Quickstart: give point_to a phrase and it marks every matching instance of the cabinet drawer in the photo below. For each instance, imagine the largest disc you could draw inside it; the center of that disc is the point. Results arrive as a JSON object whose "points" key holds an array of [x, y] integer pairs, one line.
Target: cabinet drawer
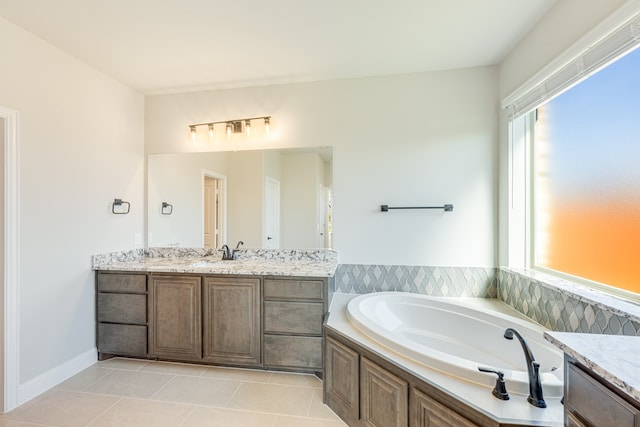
{"points": [[122, 339], [293, 317], [291, 289], [594, 403], [293, 352], [122, 308], [134, 283]]}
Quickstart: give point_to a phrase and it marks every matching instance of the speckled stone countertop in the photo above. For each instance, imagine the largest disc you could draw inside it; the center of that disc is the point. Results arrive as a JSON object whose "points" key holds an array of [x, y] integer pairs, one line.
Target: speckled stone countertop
{"points": [[263, 262], [612, 357]]}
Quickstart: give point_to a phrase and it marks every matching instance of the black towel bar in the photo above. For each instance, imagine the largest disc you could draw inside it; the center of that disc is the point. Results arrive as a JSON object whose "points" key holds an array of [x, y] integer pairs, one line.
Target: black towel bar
{"points": [[447, 207]]}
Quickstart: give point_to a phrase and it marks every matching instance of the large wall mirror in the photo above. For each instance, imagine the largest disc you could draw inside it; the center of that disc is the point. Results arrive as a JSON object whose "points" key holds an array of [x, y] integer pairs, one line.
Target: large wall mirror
{"points": [[265, 198]]}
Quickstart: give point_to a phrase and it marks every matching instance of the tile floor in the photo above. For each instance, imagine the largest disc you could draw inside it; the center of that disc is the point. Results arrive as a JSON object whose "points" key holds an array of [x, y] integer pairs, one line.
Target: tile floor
{"points": [[138, 393]]}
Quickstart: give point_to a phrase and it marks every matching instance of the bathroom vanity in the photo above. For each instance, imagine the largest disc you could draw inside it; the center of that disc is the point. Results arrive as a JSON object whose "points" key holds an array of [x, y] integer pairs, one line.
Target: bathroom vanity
{"points": [[191, 306], [602, 379]]}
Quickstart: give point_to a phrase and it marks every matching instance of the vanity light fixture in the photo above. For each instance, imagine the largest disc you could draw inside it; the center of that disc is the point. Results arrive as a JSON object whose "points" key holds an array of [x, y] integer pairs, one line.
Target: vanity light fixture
{"points": [[232, 126]]}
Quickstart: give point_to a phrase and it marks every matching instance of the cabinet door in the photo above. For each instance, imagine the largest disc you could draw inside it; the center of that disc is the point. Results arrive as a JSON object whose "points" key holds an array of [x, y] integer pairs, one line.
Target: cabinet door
{"points": [[232, 320], [175, 317], [384, 397], [587, 399], [426, 412], [341, 374]]}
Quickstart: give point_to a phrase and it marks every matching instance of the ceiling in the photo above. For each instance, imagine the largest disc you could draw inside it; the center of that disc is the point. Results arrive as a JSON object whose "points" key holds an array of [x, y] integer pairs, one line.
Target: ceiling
{"points": [[161, 46]]}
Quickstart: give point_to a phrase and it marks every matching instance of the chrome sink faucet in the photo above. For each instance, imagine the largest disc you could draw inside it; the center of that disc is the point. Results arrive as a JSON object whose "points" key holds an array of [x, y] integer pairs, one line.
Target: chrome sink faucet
{"points": [[234, 252], [228, 254], [533, 368]]}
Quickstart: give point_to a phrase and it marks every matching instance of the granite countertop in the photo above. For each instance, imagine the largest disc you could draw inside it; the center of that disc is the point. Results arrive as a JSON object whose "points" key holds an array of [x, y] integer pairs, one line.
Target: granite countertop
{"points": [[612, 357], [263, 262]]}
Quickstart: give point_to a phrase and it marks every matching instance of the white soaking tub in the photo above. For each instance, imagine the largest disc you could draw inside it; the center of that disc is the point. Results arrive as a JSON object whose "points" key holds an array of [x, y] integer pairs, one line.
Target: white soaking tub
{"points": [[456, 336]]}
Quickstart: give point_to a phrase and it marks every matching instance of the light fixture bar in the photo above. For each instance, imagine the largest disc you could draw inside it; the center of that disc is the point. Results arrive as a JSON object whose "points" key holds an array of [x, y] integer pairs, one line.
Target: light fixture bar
{"points": [[266, 118]]}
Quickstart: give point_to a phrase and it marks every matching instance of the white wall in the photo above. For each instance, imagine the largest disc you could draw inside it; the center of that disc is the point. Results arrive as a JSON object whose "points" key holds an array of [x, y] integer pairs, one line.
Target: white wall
{"points": [[417, 139], [562, 26], [81, 146]]}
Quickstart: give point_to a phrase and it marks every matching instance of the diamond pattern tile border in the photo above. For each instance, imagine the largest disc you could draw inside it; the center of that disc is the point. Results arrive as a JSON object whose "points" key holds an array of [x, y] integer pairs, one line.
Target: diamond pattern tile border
{"points": [[559, 310], [478, 282]]}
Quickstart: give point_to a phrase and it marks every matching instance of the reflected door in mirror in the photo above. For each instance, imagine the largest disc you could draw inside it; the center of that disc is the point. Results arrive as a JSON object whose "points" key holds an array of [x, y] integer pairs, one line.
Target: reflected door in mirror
{"points": [[213, 216]]}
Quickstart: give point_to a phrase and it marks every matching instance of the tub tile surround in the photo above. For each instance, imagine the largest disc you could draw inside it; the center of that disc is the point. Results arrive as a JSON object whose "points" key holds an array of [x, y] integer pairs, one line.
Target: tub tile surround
{"points": [[477, 282], [563, 306]]}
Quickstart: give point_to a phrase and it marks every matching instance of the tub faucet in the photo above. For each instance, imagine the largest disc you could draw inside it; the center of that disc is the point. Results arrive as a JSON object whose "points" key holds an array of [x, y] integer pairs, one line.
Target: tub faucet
{"points": [[533, 368]]}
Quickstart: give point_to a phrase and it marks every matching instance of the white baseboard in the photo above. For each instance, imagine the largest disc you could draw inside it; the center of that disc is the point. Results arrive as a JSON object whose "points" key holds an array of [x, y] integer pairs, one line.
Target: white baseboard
{"points": [[55, 376]]}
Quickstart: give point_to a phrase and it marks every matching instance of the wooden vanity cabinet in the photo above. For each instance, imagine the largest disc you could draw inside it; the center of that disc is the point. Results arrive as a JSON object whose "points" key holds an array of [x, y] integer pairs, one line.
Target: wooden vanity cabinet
{"points": [[175, 313], [427, 412], [364, 389], [121, 314], [342, 380], [251, 321], [231, 323], [591, 401], [292, 321], [383, 396]]}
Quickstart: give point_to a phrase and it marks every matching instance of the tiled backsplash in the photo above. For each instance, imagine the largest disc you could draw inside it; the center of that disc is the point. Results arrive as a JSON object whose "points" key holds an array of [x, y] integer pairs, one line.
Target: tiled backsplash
{"points": [[554, 303], [436, 281], [561, 306]]}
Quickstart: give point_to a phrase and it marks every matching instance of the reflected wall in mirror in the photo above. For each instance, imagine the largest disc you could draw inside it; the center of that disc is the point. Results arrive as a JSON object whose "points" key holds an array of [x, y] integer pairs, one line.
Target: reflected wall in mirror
{"points": [[265, 198]]}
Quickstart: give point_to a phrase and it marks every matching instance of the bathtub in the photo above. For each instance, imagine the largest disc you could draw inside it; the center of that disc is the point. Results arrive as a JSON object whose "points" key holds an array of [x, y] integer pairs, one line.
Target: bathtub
{"points": [[457, 335]]}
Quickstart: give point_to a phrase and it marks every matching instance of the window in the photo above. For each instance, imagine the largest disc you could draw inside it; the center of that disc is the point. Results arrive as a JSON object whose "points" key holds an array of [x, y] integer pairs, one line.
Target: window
{"points": [[586, 178]]}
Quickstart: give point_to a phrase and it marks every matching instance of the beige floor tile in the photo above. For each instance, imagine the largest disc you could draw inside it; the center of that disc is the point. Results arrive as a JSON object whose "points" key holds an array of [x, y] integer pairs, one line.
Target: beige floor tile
{"points": [[174, 368], [238, 374], [123, 363], [129, 384], [85, 378], [272, 398], [64, 408], [285, 421], [288, 378], [143, 413], [217, 417], [198, 391], [319, 409], [11, 423]]}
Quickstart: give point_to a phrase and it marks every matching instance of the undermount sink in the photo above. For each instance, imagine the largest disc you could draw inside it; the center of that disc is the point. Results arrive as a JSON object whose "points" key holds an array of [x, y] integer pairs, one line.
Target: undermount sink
{"points": [[207, 264]]}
